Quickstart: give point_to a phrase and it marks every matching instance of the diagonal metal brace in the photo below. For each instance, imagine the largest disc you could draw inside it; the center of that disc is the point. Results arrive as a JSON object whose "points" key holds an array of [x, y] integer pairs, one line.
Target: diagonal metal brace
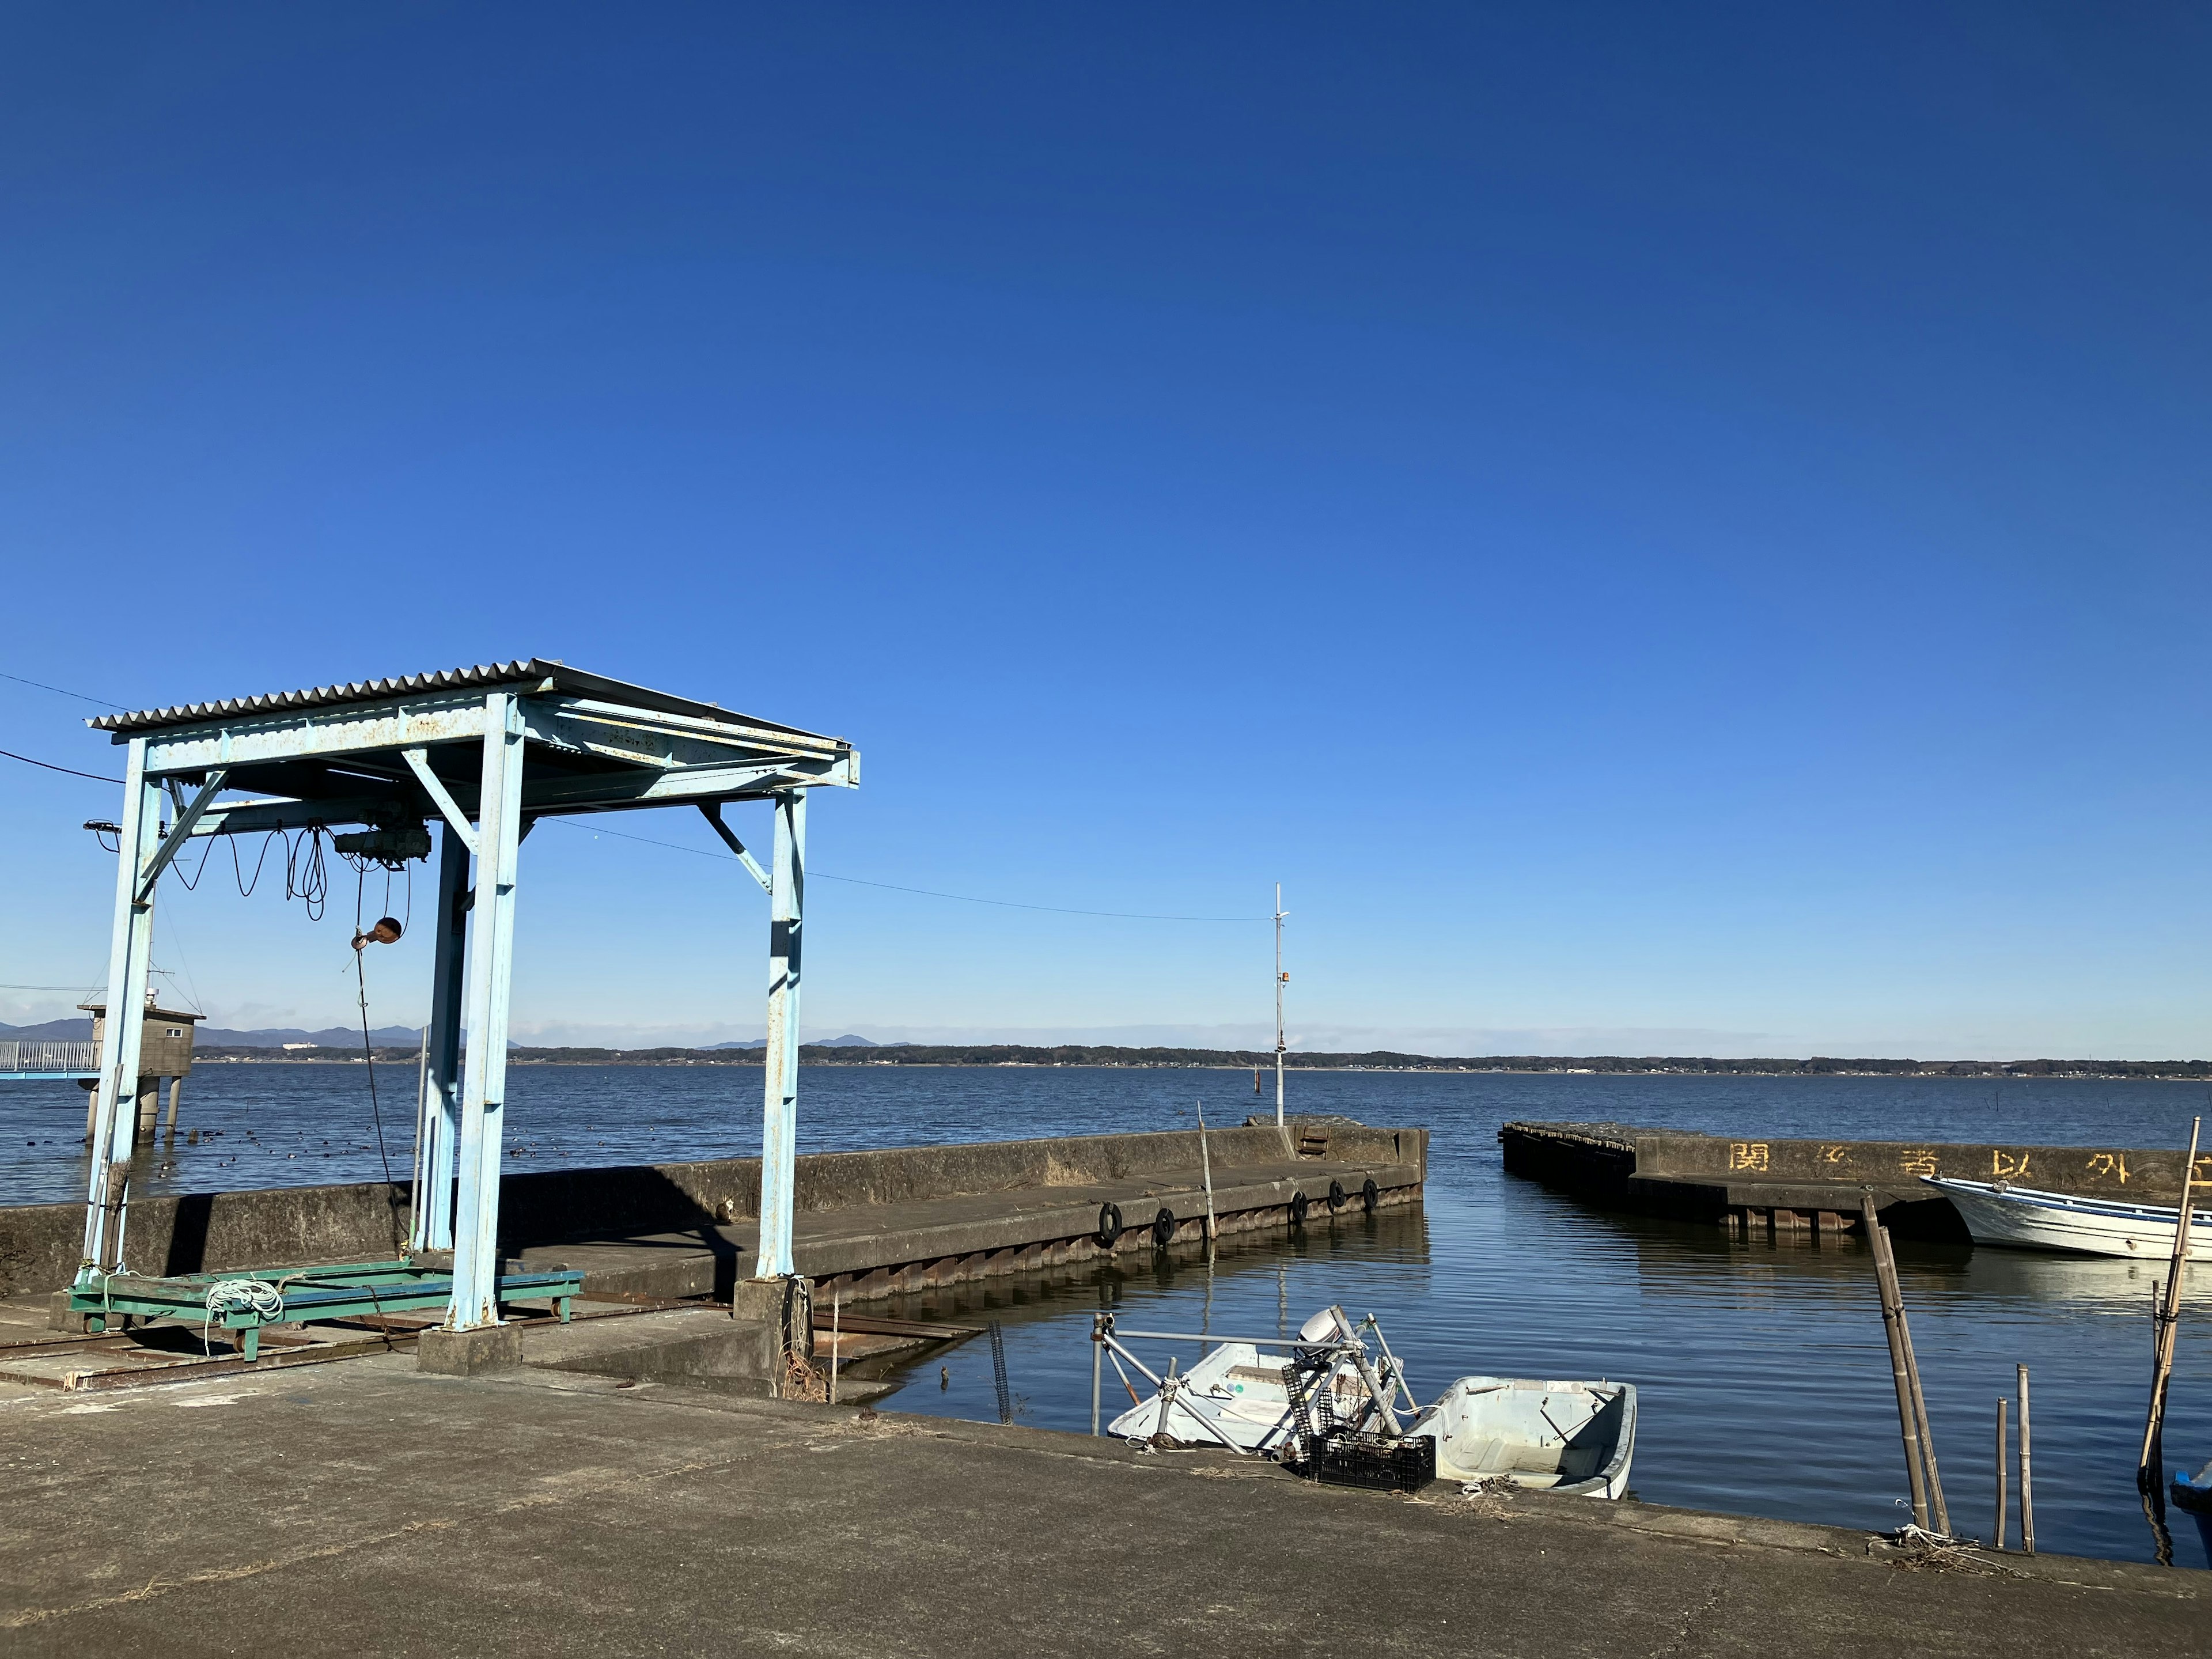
{"points": [[712, 812], [418, 763], [179, 832]]}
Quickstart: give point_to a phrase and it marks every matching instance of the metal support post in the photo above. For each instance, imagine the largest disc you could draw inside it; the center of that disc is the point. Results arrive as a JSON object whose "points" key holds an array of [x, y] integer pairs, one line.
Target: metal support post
{"points": [[130, 958], [1280, 979], [436, 1136], [780, 1109], [491, 981]]}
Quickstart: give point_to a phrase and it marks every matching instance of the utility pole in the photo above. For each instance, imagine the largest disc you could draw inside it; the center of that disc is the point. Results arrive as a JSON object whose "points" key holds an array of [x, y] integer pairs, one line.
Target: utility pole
{"points": [[1280, 979]]}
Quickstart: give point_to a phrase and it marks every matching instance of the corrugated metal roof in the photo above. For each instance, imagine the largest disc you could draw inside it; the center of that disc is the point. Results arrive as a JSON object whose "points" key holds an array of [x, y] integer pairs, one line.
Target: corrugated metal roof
{"points": [[532, 671]]}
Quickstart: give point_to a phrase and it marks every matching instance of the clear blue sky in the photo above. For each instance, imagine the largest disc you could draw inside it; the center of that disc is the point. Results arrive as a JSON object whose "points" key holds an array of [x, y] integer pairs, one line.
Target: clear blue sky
{"points": [[1665, 528]]}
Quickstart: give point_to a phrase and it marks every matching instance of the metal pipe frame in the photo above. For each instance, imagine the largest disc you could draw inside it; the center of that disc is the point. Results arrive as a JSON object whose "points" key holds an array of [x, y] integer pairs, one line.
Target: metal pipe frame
{"points": [[491, 979], [129, 962], [779, 1060], [438, 1134], [354, 759]]}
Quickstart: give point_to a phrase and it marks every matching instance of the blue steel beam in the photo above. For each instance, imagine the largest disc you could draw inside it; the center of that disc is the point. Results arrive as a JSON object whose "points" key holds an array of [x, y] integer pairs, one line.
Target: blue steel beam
{"points": [[457, 821], [780, 1109], [712, 812], [439, 1133], [491, 973], [130, 954], [188, 814]]}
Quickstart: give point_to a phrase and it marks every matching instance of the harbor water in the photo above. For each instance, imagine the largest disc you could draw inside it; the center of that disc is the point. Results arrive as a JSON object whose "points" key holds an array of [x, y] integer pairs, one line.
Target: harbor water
{"points": [[1764, 1376]]}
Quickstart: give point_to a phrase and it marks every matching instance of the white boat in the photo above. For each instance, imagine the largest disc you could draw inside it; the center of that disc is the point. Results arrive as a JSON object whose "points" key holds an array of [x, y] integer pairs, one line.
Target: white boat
{"points": [[2029, 1219], [1232, 1396], [1572, 1437]]}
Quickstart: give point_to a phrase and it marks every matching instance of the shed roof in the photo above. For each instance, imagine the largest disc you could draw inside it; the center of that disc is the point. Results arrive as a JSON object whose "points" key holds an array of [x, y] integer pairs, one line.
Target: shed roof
{"points": [[537, 672]]}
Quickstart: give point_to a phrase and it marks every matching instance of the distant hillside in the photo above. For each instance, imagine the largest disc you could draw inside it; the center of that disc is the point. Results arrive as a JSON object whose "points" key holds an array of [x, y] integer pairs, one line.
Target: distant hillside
{"points": [[217, 1036]]}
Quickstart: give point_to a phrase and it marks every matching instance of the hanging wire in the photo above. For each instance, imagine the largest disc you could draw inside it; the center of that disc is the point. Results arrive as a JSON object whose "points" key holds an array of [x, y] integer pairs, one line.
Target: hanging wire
{"points": [[367, 1054]]}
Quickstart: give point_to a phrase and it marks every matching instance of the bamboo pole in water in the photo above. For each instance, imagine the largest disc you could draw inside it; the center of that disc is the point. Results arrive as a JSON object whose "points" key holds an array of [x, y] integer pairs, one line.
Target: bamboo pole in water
{"points": [[2027, 1474], [2150, 1464], [1937, 1507], [1997, 1532], [1891, 1312], [1206, 1169]]}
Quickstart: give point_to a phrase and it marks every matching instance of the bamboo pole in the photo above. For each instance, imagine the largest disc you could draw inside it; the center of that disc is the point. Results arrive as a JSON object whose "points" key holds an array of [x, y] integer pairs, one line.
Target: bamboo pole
{"points": [[2150, 1464], [2027, 1474], [1997, 1532], [1205, 1171], [836, 1344], [1892, 1311], [1938, 1508], [1936, 1503]]}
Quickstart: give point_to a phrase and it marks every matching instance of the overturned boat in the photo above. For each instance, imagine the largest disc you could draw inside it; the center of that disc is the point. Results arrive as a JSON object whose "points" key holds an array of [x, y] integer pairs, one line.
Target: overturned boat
{"points": [[2025, 1217]]}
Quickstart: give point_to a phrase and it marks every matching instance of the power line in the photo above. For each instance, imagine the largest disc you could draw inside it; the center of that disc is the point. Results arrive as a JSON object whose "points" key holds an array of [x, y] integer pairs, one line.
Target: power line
{"points": [[59, 691], [925, 892], [699, 852], [51, 767]]}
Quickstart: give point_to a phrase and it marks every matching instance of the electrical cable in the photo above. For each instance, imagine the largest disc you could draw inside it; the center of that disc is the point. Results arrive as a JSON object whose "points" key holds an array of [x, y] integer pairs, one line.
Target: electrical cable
{"points": [[59, 691], [376, 1111], [925, 892], [51, 767]]}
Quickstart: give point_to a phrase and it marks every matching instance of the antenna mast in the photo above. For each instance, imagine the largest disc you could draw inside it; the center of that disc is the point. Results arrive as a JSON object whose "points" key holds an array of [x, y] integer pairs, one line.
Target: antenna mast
{"points": [[1280, 978]]}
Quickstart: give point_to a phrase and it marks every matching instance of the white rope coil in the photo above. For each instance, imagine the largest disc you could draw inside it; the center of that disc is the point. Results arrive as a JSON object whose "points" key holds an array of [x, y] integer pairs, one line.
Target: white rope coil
{"points": [[227, 1296]]}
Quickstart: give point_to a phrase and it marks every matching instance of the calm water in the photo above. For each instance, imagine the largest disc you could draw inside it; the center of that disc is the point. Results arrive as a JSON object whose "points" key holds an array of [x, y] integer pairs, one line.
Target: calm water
{"points": [[1763, 1375]]}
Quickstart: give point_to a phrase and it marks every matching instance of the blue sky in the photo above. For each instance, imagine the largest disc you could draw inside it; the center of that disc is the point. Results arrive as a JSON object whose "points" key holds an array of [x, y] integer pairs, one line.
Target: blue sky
{"points": [[1666, 530]]}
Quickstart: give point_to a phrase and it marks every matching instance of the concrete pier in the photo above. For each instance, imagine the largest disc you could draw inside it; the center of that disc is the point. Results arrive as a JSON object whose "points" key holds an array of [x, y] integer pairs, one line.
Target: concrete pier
{"points": [[1805, 1186], [372, 1507], [867, 1225]]}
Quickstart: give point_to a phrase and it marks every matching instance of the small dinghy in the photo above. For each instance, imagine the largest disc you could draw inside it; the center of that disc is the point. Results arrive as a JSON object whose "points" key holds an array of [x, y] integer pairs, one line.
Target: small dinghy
{"points": [[1234, 1397], [2026, 1218], [1572, 1437], [1331, 1408]]}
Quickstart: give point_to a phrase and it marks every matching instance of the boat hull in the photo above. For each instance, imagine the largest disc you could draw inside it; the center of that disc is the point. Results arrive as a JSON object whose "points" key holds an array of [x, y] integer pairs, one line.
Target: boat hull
{"points": [[2025, 1218], [1576, 1438]]}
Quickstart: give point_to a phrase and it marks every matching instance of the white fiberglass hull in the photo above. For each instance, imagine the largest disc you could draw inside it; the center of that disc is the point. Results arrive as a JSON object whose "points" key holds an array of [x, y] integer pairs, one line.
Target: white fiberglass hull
{"points": [[1231, 1396], [2026, 1218], [1573, 1437]]}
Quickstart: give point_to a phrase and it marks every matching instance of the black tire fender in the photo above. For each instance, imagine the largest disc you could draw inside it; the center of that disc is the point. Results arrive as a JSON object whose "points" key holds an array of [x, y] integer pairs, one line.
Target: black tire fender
{"points": [[1163, 1226], [1336, 1194], [1297, 1209], [1110, 1224], [1369, 1196]]}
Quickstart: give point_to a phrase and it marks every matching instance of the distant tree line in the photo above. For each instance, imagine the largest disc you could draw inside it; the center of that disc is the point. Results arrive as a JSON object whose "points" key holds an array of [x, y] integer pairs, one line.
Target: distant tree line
{"points": [[917, 1054]]}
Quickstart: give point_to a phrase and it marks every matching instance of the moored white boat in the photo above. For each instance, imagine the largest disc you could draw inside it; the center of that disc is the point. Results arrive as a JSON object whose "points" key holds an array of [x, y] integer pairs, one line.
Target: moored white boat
{"points": [[1573, 1437], [2025, 1218]]}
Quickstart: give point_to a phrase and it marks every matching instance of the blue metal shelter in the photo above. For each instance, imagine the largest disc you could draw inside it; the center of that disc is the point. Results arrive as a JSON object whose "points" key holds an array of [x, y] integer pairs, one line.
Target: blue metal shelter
{"points": [[486, 752]]}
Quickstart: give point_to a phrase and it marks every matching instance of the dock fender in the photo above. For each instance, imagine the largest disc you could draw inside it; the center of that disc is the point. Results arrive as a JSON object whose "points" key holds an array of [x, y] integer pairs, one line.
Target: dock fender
{"points": [[1335, 1194], [1110, 1224], [1163, 1226], [1297, 1209], [1369, 1195]]}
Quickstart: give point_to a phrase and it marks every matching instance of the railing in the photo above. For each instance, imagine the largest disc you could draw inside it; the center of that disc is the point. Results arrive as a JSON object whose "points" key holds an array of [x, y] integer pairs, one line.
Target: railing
{"points": [[61, 1058]]}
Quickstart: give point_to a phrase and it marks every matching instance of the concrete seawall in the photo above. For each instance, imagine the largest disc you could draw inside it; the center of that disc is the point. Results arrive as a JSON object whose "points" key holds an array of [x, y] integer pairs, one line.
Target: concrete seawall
{"points": [[884, 1219], [1794, 1184]]}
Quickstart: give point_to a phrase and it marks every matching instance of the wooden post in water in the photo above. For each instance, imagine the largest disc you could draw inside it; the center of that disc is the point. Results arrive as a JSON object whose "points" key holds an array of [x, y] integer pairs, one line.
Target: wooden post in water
{"points": [[2150, 1465], [1997, 1532], [1891, 1317], [1206, 1172], [1936, 1503], [2027, 1474]]}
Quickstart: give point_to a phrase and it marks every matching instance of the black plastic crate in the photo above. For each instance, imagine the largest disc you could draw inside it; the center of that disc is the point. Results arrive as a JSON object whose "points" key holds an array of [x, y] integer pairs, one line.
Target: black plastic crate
{"points": [[1373, 1464]]}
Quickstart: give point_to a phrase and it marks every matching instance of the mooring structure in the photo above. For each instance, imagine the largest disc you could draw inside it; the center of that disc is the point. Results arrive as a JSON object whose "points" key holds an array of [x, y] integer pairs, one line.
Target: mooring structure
{"points": [[484, 753]]}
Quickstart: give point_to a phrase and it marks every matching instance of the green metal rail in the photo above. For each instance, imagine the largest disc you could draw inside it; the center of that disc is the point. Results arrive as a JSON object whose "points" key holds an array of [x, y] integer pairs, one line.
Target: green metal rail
{"points": [[351, 1291]]}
